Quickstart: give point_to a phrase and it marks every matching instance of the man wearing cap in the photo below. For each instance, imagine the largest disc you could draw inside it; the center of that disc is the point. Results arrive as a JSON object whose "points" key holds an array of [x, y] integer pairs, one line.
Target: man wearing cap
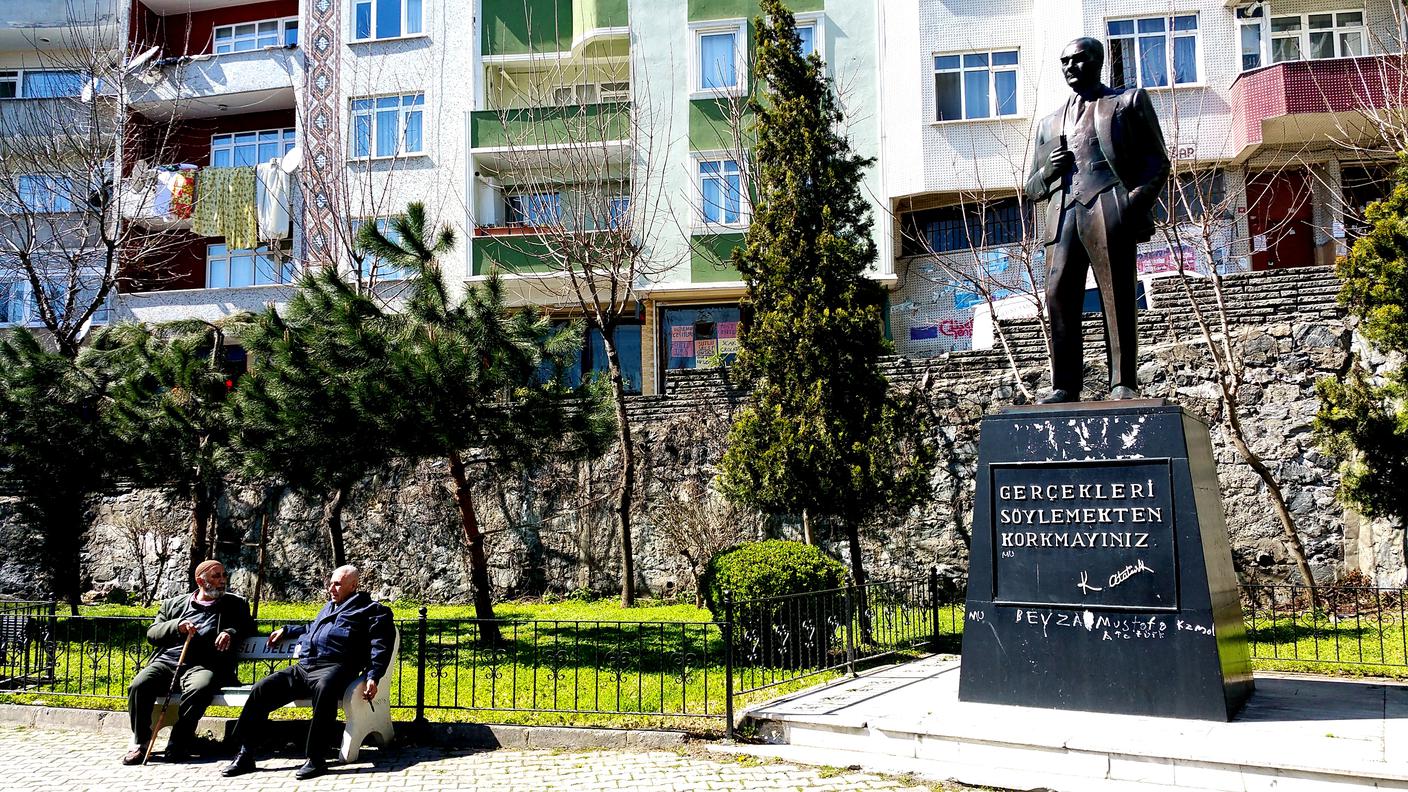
{"points": [[351, 638], [216, 622]]}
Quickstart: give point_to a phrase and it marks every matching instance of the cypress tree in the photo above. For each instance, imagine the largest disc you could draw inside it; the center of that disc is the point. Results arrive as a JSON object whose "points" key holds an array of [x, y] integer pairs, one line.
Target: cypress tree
{"points": [[821, 435]]}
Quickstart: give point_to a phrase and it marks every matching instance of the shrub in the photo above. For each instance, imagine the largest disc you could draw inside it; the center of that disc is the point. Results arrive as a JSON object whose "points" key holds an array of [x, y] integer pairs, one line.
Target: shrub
{"points": [[774, 568]]}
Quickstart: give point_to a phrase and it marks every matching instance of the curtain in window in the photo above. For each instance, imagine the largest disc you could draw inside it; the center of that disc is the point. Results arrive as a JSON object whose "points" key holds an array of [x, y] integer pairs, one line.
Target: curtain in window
{"points": [[388, 18], [52, 84], [717, 67]]}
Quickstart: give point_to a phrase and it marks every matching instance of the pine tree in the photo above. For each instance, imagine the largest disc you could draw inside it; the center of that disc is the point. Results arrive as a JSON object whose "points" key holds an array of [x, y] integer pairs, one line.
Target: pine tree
{"points": [[168, 409], [306, 413], [1363, 420], [55, 451], [464, 376], [821, 435]]}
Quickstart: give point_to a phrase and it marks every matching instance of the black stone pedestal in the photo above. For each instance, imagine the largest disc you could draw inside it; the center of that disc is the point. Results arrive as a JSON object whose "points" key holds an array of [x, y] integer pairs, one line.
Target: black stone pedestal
{"points": [[1100, 576]]}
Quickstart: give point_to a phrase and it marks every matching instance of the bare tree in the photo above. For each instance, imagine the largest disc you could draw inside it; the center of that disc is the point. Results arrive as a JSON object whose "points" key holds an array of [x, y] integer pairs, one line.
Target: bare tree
{"points": [[152, 542], [66, 237], [578, 204]]}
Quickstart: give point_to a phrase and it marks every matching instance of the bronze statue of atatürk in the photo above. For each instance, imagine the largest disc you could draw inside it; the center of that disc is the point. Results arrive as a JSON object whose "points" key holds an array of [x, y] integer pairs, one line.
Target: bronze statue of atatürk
{"points": [[1100, 163]]}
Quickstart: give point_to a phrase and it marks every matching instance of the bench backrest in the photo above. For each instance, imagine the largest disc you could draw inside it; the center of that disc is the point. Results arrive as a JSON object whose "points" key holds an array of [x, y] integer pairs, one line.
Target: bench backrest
{"points": [[256, 647]]}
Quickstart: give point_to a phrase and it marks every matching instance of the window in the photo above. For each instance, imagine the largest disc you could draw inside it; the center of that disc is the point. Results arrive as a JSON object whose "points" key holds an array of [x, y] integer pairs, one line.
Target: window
{"points": [[1338, 34], [40, 84], [256, 35], [388, 126], [18, 306], [807, 33], [592, 359], [692, 336], [718, 59], [383, 19], [618, 211], [975, 85], [535, 208], [263, 266], [375, 268], [1189, 195], [1249, 21], [967, 226], [250, 148], [1153, 52], [721, 192], [44, 192]]}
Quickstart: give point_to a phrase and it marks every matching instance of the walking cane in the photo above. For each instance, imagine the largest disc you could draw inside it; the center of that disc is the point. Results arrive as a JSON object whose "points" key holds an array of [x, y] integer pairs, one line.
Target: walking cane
{"points": [[175, 680]]}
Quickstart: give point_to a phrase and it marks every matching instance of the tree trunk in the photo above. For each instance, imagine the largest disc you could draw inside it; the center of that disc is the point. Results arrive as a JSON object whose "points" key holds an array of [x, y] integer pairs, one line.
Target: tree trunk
{"points": [[626, 485], [200, 530], [272, 497], [478, 563], [808, 534], [332, 524], [862, 600]]}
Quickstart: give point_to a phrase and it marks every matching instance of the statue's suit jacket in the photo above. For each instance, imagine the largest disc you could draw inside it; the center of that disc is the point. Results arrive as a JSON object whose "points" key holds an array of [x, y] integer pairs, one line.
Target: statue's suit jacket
{"points": [[1130, 138]]}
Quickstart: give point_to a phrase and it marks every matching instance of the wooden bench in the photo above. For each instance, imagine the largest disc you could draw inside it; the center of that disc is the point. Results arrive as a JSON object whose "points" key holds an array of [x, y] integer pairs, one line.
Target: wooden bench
{"points": [[363, 719]]}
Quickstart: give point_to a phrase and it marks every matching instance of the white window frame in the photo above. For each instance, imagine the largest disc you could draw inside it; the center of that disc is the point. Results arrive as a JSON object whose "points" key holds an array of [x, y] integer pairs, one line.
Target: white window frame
{"points": [[815, 20], [992, 71], [281, 24], [286, 266], [288, 138], [1169, 35], [697, 30], [403, 112], [1252, 16], [745, 206], [1302, 35], [21, 309], [16, 77], [352, 5]]}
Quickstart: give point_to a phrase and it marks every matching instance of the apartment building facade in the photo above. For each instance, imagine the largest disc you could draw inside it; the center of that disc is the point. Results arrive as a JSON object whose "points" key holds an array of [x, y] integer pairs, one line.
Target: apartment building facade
{"points": [[515, 119], [1263, 107]]}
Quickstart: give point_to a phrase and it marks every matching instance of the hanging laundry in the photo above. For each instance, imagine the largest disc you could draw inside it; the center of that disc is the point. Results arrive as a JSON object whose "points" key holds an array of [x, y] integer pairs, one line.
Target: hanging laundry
{"points": [[225, 207], [175, 190], [272, 193]]}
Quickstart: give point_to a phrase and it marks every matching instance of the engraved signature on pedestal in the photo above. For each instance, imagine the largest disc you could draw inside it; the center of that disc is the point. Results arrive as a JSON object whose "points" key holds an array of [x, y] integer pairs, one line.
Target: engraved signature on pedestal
{"points": [[1129, 571]]}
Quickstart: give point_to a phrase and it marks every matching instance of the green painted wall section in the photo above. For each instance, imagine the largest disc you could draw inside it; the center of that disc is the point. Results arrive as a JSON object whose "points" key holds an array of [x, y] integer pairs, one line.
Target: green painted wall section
{"points": [[729, 9], [709, 126], [709, 259], [514, 254], [596, 14], [542, 126], [515, 27]]}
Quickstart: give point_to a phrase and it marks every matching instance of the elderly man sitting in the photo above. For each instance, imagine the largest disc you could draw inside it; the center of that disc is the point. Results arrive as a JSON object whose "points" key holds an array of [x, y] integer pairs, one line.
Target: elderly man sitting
{"points": [[214, 621], [352, 636]]}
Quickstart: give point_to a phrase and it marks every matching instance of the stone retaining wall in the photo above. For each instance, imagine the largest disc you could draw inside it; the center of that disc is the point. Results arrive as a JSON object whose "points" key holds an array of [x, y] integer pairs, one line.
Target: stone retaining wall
{"points": [[552, 532]]}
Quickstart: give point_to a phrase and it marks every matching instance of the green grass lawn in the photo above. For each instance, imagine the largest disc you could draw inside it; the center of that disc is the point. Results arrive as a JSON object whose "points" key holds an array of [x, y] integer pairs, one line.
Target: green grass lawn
{"points": [[597, 664]]}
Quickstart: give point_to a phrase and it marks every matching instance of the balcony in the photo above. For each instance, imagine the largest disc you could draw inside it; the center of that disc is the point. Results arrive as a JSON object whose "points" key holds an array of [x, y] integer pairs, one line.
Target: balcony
{"points": [[514, 29], [69, 117], [205, 304], [515, 250], [48, 24], [205, 86], [550, 127], [1319, 100]]}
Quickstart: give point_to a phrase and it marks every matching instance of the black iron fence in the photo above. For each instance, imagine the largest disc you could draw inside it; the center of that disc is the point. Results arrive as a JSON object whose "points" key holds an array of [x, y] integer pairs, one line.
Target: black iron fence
{"points": [[680, 669]]}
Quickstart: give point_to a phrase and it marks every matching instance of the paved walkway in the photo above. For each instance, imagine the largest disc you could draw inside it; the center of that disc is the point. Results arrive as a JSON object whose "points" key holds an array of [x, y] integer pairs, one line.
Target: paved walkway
{"points": [[54, 760]]}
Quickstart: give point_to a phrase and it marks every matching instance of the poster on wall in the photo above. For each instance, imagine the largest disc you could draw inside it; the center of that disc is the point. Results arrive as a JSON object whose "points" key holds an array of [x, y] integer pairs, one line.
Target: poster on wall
{"points": [[728, 338], [682, 341], [705, 348]]}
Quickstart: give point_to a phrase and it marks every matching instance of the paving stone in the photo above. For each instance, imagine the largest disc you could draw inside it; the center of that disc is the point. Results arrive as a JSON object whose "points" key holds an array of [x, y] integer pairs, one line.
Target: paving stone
{"points": [[60, 760]]}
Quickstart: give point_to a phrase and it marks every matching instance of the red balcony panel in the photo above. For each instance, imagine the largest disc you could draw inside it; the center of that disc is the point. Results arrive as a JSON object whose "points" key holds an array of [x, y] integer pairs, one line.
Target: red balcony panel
{"points": [[188, 140], [1302, 101], [181, 266], [193, 33]]}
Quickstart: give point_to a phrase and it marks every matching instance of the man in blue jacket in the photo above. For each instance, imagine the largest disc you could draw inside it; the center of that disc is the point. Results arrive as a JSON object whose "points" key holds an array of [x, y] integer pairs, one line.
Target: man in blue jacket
{"points": [[352, 637]]}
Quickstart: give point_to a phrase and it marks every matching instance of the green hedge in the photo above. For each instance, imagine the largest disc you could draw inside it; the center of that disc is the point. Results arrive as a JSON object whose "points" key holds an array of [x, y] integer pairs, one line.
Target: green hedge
{"points": [[773, 568]]}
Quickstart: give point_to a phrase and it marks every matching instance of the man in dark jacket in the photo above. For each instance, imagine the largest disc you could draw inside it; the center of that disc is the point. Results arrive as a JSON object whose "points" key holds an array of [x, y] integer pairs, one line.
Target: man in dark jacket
{"points": [[217, 621], [351, 638]]}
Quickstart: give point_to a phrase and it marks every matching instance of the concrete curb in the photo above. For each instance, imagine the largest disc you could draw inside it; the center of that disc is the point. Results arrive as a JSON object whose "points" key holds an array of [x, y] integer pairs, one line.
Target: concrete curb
{"points": [[450, 735]]}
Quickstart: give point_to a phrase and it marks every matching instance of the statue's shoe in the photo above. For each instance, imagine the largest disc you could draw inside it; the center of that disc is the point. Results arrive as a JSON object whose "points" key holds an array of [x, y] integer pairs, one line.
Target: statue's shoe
{"points": [[1058, 396], [1122, 392]]}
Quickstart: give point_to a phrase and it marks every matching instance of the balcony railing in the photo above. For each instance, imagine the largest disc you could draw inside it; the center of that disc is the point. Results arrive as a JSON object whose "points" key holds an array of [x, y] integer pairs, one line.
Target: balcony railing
{"points": [[1302, 101], [548, 127], [207, 85]]}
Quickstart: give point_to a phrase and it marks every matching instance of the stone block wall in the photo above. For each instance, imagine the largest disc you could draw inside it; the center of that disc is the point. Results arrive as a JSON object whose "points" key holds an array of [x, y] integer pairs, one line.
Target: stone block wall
{"points": [[552, 531]]}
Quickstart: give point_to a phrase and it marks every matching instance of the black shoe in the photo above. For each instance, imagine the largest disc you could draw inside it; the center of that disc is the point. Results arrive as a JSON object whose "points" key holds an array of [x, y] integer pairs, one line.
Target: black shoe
{"points": [[1058, 396], [1122, 392], [244, 763], [177, 752], [310, 769]]}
